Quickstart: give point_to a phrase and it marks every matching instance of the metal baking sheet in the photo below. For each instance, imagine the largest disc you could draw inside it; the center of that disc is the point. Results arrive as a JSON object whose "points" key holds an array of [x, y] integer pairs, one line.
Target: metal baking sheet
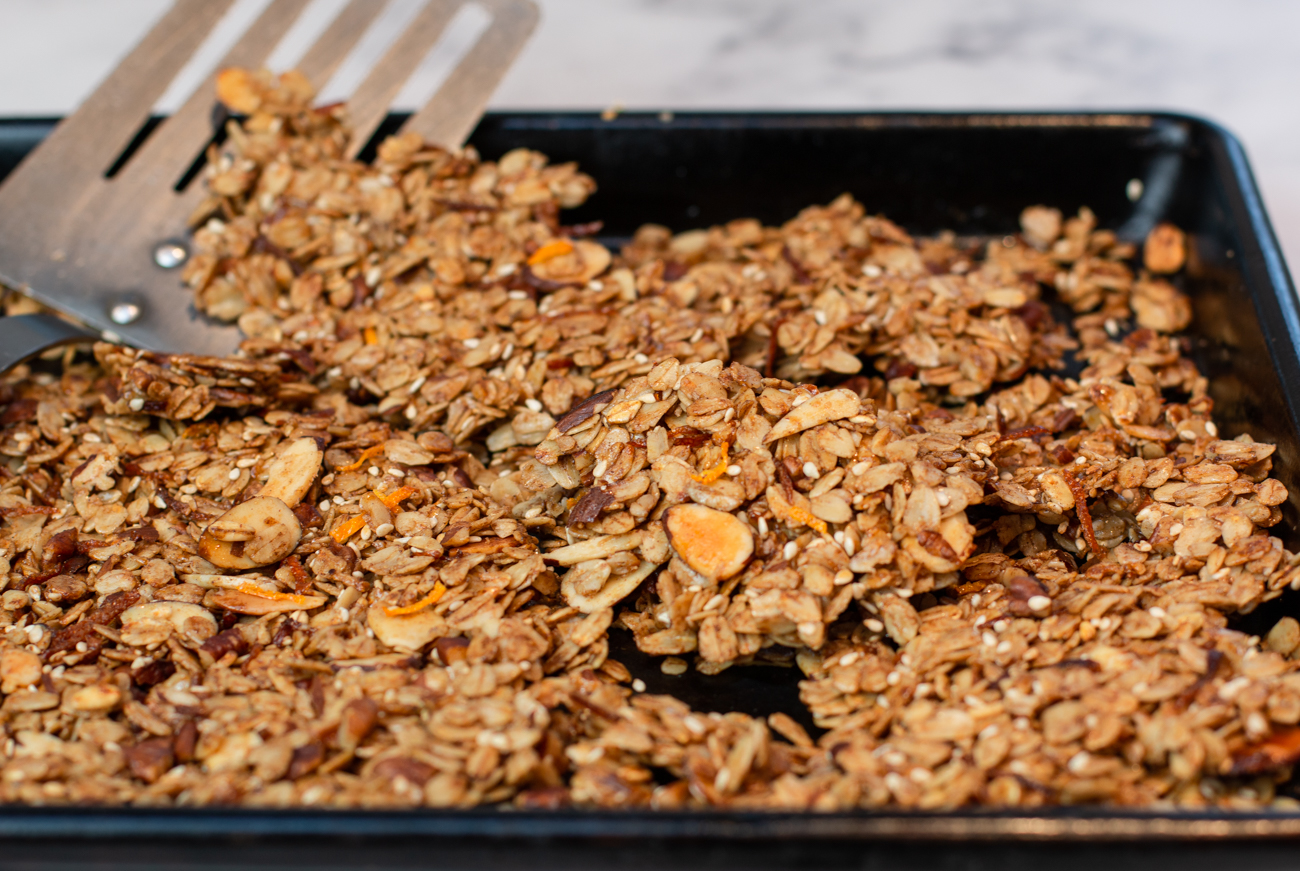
{"points": [[971, 173]]}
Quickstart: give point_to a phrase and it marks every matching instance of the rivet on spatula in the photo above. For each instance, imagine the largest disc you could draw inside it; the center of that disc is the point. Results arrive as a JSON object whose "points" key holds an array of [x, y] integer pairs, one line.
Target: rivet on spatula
{"points": [[170, 254]]}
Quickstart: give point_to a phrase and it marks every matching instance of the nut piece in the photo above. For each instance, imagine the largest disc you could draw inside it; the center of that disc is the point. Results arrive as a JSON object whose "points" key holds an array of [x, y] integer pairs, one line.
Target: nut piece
{"points": [[1165, 250], [293, 472], [713, 543], [584, 262], [248, 603], [155, 622], [822, 408], [408, 632], [1041, 226], [610, 593], [275, 533]]}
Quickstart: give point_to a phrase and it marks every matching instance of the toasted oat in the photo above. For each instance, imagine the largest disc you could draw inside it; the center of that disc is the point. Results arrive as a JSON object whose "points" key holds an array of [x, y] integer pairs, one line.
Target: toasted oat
{"points": [[374, 559]]}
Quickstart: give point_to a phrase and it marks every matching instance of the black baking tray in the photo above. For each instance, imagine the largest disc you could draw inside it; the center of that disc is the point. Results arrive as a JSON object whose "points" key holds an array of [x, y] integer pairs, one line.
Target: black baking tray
{"points": [[971, 173]]}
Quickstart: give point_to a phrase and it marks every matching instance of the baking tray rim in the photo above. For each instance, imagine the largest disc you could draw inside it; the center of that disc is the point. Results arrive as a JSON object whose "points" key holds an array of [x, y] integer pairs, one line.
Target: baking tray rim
{"points": [[1262, 263]]}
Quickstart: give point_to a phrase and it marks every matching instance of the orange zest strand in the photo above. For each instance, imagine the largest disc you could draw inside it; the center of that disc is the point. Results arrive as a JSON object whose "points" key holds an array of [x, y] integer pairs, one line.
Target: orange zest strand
{"points": [[361, 461], [371, 336], [261, 592], [435, 594], [392, 501], [1081, 506], [348, 528], [708, 476], [801, 515], [552, 249]]}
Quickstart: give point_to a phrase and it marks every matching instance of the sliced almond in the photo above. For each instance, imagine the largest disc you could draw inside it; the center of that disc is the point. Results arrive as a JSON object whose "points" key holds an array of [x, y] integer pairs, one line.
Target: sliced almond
{"points": [[713, 543], [583, 262], [610, 594], [406, 631], [822, 408], [293, 472], [276, 532], [248, 603], [594, 548], [155, 622]]}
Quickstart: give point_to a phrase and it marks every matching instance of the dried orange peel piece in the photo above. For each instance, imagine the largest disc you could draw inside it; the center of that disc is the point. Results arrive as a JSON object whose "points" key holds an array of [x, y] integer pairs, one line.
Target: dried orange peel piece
{"points": [[368, 453], [435, 594], [392, 501], [371, 336], [348, 528], [784, 506], [251, 589], [708, 476], [801, 515], [551, 250]]}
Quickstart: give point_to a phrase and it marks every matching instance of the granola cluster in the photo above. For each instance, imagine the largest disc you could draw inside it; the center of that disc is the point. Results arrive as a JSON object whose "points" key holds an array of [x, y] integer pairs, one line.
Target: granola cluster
{"points": [[377, 558]]}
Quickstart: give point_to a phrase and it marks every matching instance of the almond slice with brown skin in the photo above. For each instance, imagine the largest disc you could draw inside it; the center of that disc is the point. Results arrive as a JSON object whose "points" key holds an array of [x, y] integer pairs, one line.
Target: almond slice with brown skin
{"points": [[712, 543], [293, 472], [275, 533]]}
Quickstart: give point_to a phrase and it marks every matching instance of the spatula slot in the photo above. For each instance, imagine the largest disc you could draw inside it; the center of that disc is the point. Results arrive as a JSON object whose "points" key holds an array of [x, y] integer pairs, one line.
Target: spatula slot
{"points": [[145, 131]]}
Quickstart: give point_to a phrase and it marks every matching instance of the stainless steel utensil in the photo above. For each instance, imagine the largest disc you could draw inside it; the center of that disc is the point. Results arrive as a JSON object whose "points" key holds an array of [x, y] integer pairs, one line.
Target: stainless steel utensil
{"points": [[107, 251]]}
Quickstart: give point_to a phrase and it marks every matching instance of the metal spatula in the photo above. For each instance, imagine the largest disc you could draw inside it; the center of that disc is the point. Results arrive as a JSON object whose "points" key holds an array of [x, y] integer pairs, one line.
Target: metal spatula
{"points": [[106, 250]]}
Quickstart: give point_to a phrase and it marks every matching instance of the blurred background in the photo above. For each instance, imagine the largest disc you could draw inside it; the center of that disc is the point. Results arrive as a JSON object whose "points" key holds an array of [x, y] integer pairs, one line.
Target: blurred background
{"points": [[1234, 63]]}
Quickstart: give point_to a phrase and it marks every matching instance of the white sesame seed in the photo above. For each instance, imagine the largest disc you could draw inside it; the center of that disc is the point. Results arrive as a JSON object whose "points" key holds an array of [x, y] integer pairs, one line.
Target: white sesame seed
{"points": [[374, 471], [1211, 430], [1039, 603], [638, 685], [873, 624], [762, 526], [810, 471], [471, 343], [533, 404], [791, 548], [136, 404], [234, 475], [733, 470], [641, 359]]}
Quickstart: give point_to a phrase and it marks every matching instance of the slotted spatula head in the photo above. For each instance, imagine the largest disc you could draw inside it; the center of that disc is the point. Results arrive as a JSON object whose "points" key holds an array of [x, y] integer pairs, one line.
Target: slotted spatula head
{"points": [[107, 251]]}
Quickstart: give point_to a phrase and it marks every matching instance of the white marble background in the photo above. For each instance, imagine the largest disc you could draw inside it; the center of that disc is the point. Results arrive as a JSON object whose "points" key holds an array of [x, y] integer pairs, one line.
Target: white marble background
{"points": [[1235, 62]]}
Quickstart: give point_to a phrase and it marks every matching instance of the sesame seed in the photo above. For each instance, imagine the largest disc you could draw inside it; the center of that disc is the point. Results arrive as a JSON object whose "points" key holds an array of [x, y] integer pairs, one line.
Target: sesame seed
{"points": [[810, 471]]}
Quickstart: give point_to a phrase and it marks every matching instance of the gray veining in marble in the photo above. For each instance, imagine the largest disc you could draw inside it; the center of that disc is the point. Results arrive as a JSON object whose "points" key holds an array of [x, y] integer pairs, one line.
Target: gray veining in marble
{"points": [[1235, 62]]}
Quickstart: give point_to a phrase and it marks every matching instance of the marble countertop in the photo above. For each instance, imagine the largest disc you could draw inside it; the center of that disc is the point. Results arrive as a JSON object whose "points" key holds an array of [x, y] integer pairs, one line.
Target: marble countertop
{"points": [[1235, 63]]}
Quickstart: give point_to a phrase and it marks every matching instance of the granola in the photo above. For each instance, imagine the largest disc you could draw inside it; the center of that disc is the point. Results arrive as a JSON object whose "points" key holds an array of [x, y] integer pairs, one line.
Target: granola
{"points": [[378, 558]]}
